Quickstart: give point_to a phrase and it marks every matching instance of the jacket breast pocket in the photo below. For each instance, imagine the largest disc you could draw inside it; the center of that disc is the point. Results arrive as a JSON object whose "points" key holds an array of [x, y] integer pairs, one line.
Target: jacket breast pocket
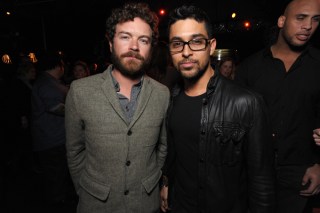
{"points": [[226, 144]]}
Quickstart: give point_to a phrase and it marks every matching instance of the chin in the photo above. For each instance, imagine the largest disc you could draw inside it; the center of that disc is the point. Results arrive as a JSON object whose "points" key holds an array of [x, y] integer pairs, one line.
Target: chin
{"points": [[298, 46]]}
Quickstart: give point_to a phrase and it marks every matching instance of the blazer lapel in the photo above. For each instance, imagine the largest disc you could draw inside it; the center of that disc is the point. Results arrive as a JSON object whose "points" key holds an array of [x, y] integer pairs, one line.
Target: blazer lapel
{"points": [[143, 99], [110, 93]]}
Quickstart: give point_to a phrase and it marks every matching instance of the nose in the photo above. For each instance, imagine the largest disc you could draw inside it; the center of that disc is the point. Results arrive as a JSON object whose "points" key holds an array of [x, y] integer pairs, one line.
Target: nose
{"points": [[134, 45], [186, 51], [307, 24]]}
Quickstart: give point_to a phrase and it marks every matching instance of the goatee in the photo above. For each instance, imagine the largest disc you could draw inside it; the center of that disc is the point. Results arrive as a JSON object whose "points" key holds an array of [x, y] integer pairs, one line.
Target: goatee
{"points": [[131, 69]]}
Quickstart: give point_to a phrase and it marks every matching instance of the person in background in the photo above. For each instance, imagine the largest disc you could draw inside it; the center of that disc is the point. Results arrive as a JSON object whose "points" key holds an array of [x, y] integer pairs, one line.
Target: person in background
{"points": [[287, 75], [80, 70], [227, 67], [48, 130], [115, 121], [220, 156]]}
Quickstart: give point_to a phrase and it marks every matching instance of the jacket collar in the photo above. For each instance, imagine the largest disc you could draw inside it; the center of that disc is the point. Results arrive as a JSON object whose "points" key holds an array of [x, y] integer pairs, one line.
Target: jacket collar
{"points": [[110, 92], [211, 87]]}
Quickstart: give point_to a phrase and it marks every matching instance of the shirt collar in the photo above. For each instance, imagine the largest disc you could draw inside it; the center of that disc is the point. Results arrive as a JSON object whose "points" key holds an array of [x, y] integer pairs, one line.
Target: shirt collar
{"points": [[308, 50], [117, 85]]}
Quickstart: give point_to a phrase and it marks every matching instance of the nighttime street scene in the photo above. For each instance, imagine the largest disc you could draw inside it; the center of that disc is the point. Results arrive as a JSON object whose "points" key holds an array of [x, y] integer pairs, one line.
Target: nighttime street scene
{"points": [[154, 106]]}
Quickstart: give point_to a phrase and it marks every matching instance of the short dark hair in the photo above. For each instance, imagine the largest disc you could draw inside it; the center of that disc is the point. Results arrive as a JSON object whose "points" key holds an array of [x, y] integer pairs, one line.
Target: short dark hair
{"points": [[130, 11], [50, 60], [193, 12]]}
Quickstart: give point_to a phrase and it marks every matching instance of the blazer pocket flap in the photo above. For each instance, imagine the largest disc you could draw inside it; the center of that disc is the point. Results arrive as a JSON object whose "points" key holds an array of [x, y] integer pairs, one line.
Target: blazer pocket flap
{"points": [[151, 181], [94, 187]]}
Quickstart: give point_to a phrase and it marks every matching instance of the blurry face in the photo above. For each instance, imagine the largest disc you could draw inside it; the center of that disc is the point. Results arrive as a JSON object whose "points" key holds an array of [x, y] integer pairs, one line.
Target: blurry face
{"points": [[61, 69], [131, 48], [79, 72], [31, 74], [191, 64], [226, 69], [299, 22]]}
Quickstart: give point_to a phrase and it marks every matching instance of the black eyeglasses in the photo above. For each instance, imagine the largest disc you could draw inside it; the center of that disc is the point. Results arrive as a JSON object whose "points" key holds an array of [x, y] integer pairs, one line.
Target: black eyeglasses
{"points": [[196, 44]]}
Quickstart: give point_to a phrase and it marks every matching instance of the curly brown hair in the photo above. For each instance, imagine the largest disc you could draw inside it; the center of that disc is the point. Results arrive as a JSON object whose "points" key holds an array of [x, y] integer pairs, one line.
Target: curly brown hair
{"points": [[130, 11]]}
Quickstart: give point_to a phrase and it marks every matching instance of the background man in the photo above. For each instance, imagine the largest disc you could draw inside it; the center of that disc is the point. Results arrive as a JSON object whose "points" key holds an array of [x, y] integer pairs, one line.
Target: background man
{"points": [[48, 129], [287, 76]]}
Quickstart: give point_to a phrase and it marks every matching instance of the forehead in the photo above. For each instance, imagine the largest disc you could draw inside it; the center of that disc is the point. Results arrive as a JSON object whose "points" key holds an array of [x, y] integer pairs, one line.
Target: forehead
{"points": [[78, 66], [187, 28], [136, 27], [307, 7], [227, 62]]}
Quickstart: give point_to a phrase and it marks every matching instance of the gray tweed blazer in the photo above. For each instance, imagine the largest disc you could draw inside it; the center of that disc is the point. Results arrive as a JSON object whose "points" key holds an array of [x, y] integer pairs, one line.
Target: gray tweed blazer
{"points": [[115, 166]]}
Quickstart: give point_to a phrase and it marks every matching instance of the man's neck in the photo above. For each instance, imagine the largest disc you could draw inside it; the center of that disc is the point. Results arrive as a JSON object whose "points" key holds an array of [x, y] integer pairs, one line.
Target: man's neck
{"points": [[288, 55], [282, 49], [55, 73], [125, 83], [200, 86]]}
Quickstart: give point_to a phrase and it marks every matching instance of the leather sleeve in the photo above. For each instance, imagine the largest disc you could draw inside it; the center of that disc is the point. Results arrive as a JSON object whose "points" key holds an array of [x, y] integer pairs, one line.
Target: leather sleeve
{"points": [[260, 162]]}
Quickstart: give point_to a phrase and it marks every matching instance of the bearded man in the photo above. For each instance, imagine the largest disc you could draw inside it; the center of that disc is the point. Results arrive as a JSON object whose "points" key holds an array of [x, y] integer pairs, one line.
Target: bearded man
{"points": [[115, 122]]}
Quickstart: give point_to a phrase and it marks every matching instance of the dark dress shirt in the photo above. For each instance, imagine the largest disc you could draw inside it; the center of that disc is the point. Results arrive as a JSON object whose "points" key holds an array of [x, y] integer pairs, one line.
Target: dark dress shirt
{"points": [[293, 100]]}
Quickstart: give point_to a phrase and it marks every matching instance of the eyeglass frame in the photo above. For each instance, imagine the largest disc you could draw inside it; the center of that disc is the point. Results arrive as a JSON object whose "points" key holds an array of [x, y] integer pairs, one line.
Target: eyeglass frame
{"points": [[188, 43]]}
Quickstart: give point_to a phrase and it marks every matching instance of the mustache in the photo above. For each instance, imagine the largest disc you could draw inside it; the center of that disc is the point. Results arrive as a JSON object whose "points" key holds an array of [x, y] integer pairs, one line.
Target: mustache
{"points": [[187, 61], [132, 54]]}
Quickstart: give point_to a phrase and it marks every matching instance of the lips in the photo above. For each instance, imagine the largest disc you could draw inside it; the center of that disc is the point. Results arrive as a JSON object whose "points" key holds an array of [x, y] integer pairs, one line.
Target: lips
{"points": [[187, 64], [303, 36]]}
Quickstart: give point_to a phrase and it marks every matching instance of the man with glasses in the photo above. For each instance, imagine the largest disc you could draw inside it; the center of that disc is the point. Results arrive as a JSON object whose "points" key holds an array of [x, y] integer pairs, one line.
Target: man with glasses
{"points": [[219, 152]]}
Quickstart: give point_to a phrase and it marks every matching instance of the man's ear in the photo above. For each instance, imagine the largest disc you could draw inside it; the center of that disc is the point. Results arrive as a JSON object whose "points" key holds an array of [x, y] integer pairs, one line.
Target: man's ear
{"points": [[213, 44], [281, 21], [110, 43]]}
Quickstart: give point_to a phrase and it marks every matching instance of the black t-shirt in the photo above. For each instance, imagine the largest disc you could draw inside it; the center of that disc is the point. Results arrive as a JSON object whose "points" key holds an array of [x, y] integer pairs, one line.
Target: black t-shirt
{"points": [[184, 126]]}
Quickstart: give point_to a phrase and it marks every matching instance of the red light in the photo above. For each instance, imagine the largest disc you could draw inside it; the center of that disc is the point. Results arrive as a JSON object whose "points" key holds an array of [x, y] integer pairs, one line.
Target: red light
{"points": [[247, 24], [162, 12]]}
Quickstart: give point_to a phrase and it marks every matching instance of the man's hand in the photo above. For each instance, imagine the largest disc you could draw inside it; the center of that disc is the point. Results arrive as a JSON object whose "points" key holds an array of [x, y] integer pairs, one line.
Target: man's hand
{"points": [[316, 136], [311, 176], [164, 199]]}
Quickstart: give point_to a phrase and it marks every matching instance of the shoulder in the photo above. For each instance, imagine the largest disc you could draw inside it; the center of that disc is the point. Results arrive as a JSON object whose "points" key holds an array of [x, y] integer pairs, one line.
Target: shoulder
{"points": [[315, 53], [240, 93], [92, 81], [157, 86], [256, 57]]}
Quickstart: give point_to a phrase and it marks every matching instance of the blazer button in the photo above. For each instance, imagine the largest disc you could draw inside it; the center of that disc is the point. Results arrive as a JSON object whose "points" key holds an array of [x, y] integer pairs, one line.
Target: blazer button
{"points": [[129, 132], [126, 192], [128, 163]]}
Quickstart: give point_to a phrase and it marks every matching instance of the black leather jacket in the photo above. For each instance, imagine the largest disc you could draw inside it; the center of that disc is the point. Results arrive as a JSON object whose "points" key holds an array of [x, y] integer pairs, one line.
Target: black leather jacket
{"points": [[237, 171]]}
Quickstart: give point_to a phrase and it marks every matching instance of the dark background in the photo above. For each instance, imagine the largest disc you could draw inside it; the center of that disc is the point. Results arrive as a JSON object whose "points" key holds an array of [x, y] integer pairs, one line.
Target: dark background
{"points": [[77, 27]]}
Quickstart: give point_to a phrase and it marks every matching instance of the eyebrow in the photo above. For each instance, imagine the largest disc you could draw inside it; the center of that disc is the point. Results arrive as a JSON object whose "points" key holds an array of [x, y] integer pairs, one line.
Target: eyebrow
{"points": [[192, 37], [306, 14], [130, 34]]}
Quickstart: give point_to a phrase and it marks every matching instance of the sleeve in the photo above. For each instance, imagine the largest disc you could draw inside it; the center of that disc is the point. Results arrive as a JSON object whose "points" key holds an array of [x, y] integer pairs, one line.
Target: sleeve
{"points": [[53, 97], [168, 167], [162, 147], [75, 140], [260, 162]]}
